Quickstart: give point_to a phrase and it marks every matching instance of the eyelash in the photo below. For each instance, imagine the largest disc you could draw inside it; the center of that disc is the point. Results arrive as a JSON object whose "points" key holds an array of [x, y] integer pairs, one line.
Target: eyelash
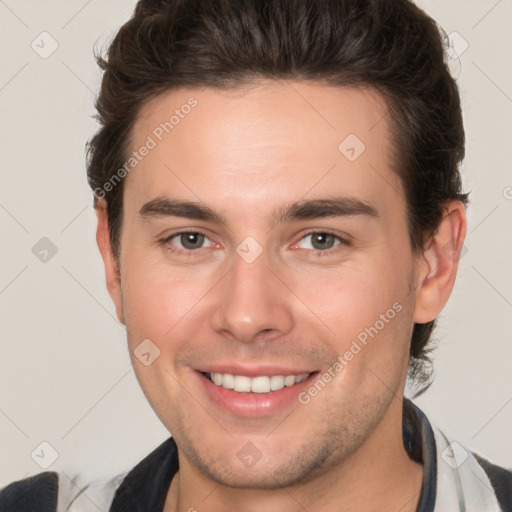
{"points": [[189, 252], [328, 252]]}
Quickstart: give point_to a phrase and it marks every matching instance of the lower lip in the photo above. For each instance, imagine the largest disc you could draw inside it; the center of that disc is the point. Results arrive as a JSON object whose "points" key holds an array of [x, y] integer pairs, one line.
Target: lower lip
{"points": [[253, 405]]}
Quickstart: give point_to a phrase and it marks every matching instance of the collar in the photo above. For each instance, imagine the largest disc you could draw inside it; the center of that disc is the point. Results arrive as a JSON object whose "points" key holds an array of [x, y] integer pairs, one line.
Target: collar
{"points": [[420, 445], [144, 489]]}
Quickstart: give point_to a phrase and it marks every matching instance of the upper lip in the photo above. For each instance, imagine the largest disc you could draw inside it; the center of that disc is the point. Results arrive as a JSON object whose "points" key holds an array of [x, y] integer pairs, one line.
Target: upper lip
{"points": [[255, 371]]}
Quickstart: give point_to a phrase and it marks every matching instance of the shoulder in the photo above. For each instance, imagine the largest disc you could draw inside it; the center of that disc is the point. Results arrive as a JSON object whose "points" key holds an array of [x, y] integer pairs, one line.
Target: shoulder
{"points": [[39, 492], [51, 492], [456, 473], [57, 491], [477, 482], [501, 480]]}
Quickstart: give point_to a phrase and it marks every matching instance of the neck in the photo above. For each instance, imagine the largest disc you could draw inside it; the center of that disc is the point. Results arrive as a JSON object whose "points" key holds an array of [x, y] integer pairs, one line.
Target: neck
{"points": [[379, 475]]}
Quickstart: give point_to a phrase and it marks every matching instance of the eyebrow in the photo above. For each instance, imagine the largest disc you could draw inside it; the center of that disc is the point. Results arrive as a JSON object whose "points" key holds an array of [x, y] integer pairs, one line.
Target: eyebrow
{"points": [[164, 207], [322, 208], [302, 210]]}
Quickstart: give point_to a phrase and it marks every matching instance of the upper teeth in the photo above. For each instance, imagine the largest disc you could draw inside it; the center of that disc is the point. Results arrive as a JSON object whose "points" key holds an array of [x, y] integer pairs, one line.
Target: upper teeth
{"points": [[262, 384]]}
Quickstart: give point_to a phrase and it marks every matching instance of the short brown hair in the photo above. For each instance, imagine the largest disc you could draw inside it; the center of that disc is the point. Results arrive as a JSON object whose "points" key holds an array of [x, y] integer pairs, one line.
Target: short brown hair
{"points": [[391, 45]]}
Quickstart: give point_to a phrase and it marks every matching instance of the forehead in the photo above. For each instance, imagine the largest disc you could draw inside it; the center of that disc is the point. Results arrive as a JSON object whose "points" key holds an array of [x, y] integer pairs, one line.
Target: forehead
{"points": [[259, 144]]}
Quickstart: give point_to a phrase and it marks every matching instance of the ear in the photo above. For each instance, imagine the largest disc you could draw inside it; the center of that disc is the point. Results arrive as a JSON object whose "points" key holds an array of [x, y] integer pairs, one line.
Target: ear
{"points": [[439, 262], [112, 274]]}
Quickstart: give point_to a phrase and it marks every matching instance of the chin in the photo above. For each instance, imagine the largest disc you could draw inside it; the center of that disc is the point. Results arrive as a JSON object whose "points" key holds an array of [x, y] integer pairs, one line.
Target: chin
{"points": [[269, 468]]}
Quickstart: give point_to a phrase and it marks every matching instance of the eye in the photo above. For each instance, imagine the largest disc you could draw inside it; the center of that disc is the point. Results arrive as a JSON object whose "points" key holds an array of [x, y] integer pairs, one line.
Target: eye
{"points": [[188, 241], [191, 241], [319, 241]]}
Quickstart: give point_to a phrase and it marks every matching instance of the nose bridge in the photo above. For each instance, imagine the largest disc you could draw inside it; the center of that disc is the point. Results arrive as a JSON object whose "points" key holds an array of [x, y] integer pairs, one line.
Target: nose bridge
{"points": [[251, 300]]}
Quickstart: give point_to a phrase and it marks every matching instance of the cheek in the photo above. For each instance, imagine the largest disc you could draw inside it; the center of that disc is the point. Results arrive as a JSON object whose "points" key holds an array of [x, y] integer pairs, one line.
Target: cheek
{"points": [[157, 301], [351, 296], [364, 313], [163, 307]]}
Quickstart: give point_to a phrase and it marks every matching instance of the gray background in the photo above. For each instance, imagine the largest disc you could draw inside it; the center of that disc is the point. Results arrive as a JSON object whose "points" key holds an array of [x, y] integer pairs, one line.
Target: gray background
{"points": [[65, 371]]}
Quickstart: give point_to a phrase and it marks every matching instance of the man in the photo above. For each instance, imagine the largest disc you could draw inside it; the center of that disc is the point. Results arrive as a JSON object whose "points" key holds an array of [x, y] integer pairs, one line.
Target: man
{"points": [[280, 215]]}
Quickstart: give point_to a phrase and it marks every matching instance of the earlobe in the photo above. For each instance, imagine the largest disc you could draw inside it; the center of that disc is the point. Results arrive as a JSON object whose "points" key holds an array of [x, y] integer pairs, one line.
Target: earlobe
{"points": [[112, 274], [439, 263]]}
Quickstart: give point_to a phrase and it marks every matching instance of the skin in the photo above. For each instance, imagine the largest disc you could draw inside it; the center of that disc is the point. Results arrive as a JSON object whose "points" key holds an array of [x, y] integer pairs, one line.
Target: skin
{"points": [[245, 153]]}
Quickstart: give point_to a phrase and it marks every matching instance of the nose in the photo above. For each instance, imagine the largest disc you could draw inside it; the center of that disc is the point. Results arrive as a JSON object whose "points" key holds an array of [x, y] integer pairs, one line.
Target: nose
{"points": [[252, 301]]}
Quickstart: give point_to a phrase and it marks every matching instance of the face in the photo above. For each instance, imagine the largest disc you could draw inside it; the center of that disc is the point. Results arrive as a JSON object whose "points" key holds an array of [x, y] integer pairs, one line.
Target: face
{"points": [[264, 247]]}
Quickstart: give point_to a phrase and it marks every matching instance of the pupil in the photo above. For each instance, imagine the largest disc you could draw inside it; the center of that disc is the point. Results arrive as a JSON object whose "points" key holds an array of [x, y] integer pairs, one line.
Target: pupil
{"points": [[192, 240], [322, 241]]}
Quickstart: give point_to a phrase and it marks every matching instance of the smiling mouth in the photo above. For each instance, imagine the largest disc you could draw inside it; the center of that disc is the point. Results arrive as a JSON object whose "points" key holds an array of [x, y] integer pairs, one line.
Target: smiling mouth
{"points": [[260, 384]]}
